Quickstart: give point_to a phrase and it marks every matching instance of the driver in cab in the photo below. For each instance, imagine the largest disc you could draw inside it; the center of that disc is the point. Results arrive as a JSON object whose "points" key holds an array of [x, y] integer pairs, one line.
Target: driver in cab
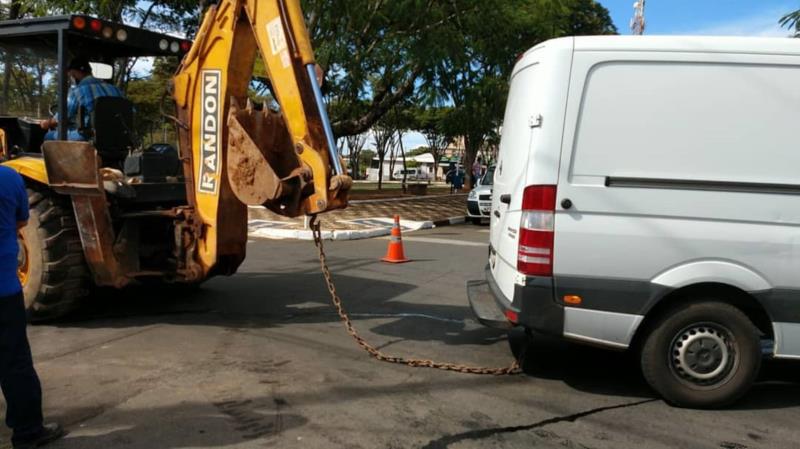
{"points": [[82, 94]]}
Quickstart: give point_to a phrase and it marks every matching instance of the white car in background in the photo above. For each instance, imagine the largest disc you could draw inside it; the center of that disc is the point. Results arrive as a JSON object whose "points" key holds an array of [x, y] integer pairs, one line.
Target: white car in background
{"points": [[412, 174], [479, 202]]}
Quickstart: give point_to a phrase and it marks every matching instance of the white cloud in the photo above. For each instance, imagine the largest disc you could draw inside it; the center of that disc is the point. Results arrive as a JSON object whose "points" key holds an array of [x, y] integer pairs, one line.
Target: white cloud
{"points": [[763, 24], [414, 140]]}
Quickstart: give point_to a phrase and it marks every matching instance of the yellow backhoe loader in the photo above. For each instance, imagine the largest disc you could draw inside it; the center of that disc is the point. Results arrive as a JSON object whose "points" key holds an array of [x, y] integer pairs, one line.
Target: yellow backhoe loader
{"points": [[108, 211]]}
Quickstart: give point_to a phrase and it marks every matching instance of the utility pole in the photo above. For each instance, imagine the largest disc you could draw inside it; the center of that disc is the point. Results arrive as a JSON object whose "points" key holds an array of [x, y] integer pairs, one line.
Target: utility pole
{"points": [[637, 23]]}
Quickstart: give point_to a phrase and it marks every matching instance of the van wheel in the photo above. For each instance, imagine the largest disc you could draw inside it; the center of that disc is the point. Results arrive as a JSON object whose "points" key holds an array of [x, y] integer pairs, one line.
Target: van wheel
{"points": [[703, 355], [50, 264]]}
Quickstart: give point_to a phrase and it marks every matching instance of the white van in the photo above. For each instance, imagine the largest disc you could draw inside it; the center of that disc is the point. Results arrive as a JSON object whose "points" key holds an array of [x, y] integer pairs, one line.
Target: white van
{"points": [[412, 174], [647, 197]]}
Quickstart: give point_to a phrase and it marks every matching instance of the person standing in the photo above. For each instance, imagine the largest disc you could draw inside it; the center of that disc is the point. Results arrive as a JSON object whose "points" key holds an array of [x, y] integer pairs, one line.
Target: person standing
{"points": [[458, 180], [18, 378], [477, 172], [448, 177]]}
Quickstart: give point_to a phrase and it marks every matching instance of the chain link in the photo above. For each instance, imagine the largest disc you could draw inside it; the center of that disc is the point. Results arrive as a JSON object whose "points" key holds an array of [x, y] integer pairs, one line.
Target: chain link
{"points": [[374, 352]]}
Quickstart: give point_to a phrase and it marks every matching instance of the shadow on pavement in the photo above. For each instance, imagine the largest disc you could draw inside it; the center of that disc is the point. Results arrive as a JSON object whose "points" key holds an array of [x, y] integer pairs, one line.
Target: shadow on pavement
{"points": [[263, 300], [287, 298], [584, 368], [778, 386], [184, 425]]}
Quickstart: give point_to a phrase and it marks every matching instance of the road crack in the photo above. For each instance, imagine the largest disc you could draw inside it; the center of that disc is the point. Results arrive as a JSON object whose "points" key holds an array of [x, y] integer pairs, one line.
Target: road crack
{"points": [[447, 440]]}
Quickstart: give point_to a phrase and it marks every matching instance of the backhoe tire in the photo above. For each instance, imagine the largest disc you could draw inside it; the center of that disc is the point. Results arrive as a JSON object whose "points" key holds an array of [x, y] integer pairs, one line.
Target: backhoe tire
{"points": [[55, 276]]}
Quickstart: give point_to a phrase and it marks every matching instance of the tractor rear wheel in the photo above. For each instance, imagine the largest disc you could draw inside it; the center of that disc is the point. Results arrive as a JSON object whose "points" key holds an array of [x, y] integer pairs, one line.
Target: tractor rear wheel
{"points": [[51, 265]]}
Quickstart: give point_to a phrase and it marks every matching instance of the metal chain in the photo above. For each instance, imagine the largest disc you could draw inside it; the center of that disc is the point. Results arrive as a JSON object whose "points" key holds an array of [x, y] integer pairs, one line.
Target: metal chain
{"points": [[419, 363]]}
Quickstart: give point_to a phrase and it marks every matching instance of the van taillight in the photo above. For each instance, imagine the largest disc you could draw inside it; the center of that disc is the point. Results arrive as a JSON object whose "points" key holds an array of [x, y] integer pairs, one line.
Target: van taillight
{"points": [[536, 231]]}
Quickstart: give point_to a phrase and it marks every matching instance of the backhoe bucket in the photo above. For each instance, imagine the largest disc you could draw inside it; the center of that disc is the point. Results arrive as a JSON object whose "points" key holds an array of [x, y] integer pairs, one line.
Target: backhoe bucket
{"points": [[262, 165]]}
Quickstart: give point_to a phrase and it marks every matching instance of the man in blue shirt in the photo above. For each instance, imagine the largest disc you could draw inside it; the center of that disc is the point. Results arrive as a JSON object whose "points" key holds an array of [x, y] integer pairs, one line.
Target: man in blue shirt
{"points": [[83, 94], [18, 378]]}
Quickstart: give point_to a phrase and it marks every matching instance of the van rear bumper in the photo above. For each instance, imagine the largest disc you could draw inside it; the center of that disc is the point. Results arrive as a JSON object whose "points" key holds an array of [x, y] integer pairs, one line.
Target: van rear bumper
{"points": [[534, 304]]}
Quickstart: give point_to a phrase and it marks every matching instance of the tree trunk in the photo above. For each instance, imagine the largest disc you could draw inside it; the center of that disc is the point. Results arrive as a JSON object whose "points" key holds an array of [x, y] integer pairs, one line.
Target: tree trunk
{"points": [[392, 161], [470, 152], [403, 152], [381, 158], [355, 159]]}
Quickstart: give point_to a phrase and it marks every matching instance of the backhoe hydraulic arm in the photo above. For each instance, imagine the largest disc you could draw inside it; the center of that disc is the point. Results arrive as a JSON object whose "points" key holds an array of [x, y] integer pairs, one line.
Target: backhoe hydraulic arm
{"points": [[236, 153]]}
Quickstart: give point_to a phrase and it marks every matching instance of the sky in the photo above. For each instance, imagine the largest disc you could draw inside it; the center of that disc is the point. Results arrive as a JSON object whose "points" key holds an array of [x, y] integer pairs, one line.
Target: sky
{"points": [[698, 17], [705, 17]]}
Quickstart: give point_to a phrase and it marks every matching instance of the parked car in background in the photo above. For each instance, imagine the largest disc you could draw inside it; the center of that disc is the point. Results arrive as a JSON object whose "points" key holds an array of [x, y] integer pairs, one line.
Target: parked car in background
{"points": [[479, 202], [412, 174]]}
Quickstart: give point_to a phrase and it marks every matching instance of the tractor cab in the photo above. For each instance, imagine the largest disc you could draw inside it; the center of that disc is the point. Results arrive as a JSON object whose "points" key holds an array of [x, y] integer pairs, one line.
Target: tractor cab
{"points": [[34, 85]]}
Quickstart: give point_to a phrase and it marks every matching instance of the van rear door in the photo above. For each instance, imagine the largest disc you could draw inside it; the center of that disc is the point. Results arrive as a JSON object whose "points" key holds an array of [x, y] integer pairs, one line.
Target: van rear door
{"points": [[524, 104]]}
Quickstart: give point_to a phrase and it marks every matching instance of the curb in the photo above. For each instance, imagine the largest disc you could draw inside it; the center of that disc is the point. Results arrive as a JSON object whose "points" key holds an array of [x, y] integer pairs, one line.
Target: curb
{"points": [[306, 234], [410, 198], [343, 234], [391, 200], [450, 221]]}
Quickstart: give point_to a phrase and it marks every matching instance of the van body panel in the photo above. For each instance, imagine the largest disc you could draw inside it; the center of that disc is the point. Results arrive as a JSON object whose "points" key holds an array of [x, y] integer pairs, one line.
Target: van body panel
{"points": [[787, 340], [600, 327], [717, 271], [636, 116]]}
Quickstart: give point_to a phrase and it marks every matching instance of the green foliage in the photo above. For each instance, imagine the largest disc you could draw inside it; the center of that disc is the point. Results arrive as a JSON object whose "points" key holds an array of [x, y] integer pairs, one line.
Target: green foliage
{"points": [[418, 151], [473, 77], [379, 53], [27, 86], [148, 94], [163, 15], [792, 21], [366, 157], [384, 58]]}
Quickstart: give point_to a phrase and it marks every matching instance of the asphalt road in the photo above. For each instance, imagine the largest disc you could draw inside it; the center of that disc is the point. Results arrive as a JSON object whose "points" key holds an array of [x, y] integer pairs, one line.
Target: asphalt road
{"points": [[260, 360]]}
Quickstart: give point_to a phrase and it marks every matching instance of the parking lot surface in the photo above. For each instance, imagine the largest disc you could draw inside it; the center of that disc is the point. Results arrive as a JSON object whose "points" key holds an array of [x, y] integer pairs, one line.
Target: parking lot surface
{"points": [[261, 360]]}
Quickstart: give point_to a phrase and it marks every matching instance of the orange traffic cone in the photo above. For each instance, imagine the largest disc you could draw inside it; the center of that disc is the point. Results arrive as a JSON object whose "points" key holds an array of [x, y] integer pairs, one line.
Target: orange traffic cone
{"points": [[395, 253]]}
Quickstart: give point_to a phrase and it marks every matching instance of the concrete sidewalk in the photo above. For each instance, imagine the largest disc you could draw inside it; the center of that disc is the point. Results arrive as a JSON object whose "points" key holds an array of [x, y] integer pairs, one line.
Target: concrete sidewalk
{"points": [[364, 219]]}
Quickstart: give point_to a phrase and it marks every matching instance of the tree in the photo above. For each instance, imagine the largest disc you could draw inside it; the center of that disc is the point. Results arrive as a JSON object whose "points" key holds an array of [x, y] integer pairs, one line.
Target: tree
{"points": [[589, 17], [365, 159], [355, 145], [399, 120], [374, 52], [384, 141], [378, 53], [474, 79], [792, 21], [148, 96], [432, 123], [418, 151]]}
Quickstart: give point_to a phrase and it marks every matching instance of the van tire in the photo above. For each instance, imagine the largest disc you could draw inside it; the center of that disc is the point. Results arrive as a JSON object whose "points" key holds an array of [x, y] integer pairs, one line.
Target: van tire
{"points": [[677, 370], [57, 274]]}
